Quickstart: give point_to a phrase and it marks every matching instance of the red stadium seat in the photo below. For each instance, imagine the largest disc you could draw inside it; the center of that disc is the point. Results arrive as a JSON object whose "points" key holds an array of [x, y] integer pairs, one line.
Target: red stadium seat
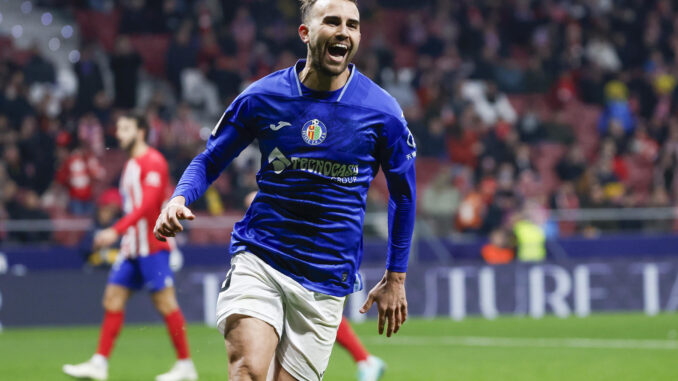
{"points": [[153, 49], [99, 26]]}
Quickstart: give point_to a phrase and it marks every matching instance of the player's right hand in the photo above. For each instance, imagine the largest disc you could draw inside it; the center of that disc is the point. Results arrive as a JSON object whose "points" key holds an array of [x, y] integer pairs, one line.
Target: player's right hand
{"points": [[167, 224], [389, 295]]}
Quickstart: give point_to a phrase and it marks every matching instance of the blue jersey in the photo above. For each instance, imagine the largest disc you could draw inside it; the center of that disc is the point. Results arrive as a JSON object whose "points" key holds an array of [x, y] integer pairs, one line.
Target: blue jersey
{"points": [[320, 151]]}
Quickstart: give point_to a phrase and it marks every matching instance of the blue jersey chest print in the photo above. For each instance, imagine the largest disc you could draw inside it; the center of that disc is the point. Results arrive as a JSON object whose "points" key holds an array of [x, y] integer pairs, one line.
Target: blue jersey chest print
{"points": [[319, 154], [302, 138]]}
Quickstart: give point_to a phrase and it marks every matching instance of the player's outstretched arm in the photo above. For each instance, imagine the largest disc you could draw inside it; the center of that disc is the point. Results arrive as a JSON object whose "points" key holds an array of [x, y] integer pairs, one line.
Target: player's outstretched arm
{"points": [[167, 224], [389, 295]]}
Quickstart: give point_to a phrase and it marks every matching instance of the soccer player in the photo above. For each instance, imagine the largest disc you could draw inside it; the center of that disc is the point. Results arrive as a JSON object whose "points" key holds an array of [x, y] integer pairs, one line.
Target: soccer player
{"points": [[143, 261], [323, 129]]}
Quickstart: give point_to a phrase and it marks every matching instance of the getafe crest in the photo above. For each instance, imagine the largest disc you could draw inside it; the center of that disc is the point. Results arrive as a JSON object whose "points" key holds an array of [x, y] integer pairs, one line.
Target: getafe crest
{"points": [[314, 132]]}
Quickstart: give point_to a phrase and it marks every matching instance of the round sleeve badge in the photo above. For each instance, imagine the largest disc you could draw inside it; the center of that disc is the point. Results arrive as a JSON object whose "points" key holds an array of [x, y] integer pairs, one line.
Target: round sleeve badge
{"points": [[314, 132]]}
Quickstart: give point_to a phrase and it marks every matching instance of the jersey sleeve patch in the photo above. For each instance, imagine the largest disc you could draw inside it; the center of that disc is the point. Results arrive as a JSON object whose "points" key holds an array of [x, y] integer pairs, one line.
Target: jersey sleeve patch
{"points": [[401, 147]]}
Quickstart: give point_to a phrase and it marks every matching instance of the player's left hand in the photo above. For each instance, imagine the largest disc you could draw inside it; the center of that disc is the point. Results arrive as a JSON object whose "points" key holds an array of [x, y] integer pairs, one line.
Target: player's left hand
{"points": [[105, 238], [389, 294]]}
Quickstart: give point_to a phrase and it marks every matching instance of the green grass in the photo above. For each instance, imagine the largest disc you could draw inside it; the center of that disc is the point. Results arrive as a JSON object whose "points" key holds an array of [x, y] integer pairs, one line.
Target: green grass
{"points": [[623, 347]]}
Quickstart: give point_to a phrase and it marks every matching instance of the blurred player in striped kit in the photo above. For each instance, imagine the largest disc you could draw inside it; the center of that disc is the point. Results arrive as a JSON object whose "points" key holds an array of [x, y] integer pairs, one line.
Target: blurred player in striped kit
{"points": [[143, 261]]}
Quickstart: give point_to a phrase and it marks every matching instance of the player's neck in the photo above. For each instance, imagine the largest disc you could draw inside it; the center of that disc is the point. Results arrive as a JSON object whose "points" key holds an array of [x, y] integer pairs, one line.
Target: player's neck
{"points": [[316, 80], [138, 149]]}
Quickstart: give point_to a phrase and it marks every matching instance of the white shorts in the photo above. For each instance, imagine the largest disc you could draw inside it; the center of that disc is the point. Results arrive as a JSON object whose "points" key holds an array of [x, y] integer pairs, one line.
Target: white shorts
{"points": [[306, 322]]}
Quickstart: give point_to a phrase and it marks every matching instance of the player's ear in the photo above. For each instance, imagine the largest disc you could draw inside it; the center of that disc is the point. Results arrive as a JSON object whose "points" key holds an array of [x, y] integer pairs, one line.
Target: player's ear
{"points": [[303, 33]]}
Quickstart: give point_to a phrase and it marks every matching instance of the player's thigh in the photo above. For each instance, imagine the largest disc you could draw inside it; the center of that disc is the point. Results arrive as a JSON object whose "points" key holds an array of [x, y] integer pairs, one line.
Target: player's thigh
{"points": [[115, 297], [156, 272], [126, 273], [165, 300], [310, 329], [250, 290], [250, 344], [279, 373]]}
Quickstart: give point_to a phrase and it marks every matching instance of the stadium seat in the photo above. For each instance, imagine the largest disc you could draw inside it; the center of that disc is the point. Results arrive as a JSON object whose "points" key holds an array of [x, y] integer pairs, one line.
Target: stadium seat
{"points": [[153, 49], [99, 26]]}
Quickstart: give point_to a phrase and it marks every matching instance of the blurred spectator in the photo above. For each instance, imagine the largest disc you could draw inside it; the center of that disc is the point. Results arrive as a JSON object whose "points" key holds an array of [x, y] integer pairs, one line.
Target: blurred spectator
{"points": [[90, 79], [108, 210], [601, 52], [597, 200], [199, 92], [78, 173], [125, 63], [522, 160], [431, 142], [91, 133], [140, 17], [617, 119], [642, 146], [471, 213], [498, 251], [462, 143], [181, 54], [571, 166], [659, 199], [37, 153], [172, 13], [184, 130], [224, 73], [440, 202], [530, 126], [38, 69], [16, 169], [490, 104], [25, 205], [397, 83], [530, 240], [14, 102], [7, 186], [499, 210], [565, 198], [558, 130], [243, 29]]}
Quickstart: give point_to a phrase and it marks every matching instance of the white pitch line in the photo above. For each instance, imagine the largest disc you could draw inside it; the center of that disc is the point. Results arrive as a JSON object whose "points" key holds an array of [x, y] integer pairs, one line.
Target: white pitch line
{"points": [[476, 341]]}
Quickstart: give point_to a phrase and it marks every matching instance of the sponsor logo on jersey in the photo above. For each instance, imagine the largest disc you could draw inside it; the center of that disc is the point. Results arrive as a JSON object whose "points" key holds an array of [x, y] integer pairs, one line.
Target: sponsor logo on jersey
{"points": [[410, 140], [338, 172], [153, 179], [314, 132]]}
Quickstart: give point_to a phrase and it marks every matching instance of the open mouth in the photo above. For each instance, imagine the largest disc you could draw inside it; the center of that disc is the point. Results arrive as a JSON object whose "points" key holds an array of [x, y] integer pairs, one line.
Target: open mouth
{"points": [[337, 51]]}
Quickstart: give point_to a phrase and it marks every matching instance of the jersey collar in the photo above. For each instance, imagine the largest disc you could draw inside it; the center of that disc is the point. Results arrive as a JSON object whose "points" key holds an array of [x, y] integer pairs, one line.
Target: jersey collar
{"points": [[294, 72]]}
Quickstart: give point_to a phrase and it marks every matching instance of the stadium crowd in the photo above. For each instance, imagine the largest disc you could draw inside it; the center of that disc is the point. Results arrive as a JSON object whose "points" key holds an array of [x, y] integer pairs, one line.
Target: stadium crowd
{"points": [[518, 107]]}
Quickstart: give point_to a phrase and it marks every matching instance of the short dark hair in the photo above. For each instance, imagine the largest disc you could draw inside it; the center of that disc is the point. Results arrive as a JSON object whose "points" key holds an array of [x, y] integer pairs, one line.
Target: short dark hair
{"points": [[306, 5], [140, 119]]}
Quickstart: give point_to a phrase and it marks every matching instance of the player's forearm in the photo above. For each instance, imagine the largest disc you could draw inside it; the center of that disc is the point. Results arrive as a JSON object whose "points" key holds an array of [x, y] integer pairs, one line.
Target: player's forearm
{"points": [[199, 174], [401, 217]]}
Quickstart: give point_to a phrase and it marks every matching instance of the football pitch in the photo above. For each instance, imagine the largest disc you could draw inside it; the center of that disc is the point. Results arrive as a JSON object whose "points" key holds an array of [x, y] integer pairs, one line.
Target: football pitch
{"points": [[602, 347]]}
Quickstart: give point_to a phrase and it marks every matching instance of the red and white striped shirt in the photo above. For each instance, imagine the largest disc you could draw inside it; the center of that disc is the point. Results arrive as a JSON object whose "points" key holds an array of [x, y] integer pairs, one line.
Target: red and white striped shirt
{"points": [[143, 187]]}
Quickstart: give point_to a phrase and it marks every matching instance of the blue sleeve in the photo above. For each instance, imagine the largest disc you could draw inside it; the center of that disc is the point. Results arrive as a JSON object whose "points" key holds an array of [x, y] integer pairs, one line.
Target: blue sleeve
{"points": [[230, 136], [397, 161]]}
